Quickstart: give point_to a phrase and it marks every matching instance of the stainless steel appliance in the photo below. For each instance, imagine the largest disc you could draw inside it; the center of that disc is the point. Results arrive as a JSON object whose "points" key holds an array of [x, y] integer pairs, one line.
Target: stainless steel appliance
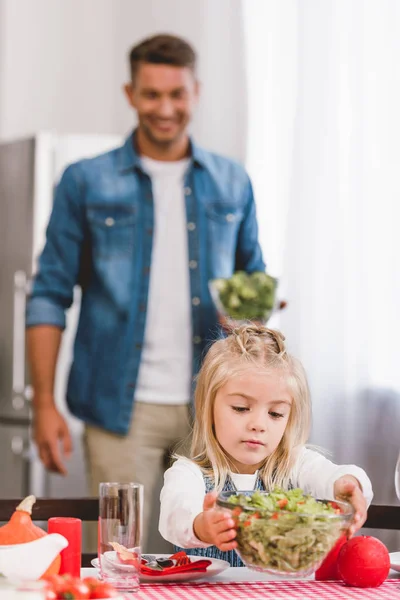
{"points": [[29, 169]]}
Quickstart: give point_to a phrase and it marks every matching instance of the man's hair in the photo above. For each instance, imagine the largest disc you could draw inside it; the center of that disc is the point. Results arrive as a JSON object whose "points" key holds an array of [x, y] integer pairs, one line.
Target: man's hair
{"points": [[162, 49]]}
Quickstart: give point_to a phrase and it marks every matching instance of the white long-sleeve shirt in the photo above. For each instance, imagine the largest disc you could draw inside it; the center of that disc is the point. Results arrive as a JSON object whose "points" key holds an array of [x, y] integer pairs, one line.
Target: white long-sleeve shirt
{"points": [[184, 489]]}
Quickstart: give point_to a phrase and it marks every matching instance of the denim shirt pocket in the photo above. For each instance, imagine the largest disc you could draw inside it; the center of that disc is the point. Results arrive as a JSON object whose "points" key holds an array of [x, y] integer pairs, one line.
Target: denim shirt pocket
{"points": [[223, 223], [224, 214], [112, 230]]}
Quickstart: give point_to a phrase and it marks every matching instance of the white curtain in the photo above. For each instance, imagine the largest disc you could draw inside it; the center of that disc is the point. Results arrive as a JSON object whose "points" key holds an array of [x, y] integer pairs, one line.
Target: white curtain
{"points": [[323, 152]]}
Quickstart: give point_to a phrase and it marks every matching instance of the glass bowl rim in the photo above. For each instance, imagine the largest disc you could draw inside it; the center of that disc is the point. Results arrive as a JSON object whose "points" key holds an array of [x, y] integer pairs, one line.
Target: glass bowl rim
{"points": [[348, 510]]}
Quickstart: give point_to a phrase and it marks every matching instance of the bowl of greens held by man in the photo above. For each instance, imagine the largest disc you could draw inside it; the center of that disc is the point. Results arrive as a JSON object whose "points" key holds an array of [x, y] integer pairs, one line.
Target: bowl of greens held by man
{"points": [[245, 297]]}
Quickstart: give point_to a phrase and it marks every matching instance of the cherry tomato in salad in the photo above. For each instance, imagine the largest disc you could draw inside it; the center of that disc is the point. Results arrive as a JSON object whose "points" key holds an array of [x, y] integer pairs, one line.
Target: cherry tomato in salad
{"points": [[282, 503], [236, 511]]}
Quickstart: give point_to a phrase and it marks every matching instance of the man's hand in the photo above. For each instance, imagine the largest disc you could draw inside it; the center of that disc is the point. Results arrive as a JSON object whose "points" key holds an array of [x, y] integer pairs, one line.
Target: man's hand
{"points": [[50, 431], [347, 488], [215, 526]]}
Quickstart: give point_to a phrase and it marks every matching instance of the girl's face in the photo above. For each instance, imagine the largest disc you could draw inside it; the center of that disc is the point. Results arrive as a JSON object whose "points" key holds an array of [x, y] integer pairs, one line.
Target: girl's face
{"points": [[251, 412]]}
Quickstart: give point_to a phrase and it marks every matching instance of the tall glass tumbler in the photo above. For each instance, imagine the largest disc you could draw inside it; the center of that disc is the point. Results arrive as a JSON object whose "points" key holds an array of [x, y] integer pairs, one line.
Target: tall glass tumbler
{"points": [[120, 524], [397, 477]]}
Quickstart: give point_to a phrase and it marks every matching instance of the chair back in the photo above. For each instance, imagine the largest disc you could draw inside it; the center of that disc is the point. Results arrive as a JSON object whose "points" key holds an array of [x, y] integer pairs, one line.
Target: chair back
{"points": [[382, 516]]}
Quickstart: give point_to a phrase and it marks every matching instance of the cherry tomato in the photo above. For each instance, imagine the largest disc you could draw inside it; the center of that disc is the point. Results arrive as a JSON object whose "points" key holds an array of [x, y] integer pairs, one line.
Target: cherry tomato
{"points": [[103, 590], [74, 589], [247, 523], [92, 582], [54, 580], [55, 585], [236, 511]]}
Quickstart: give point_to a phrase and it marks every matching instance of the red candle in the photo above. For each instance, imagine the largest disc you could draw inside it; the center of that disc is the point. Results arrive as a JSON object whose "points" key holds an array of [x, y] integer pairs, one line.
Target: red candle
{"points": [[71, 529]]}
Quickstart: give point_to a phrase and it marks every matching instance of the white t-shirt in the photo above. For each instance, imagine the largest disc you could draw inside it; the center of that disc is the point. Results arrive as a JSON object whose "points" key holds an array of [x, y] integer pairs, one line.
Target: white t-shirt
{"points": [[184, 489], [165, 371]]}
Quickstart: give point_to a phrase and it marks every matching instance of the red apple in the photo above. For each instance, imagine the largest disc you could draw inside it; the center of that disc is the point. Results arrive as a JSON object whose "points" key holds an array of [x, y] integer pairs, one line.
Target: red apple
{"points": [[328, 568], [363, 562]]}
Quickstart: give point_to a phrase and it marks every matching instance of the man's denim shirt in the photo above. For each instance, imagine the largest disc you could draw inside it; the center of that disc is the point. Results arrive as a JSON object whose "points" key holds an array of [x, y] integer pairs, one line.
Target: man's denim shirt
{"points": [[100, 237]]}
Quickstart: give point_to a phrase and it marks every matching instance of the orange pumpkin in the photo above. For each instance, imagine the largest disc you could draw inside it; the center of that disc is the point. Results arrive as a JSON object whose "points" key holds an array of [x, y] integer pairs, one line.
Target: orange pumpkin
{"points": [[21, 529]]}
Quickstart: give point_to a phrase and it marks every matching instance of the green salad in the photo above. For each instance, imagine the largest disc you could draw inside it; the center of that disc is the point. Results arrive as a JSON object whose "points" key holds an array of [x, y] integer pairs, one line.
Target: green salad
{"points": [[285, 531], [246, 295]]}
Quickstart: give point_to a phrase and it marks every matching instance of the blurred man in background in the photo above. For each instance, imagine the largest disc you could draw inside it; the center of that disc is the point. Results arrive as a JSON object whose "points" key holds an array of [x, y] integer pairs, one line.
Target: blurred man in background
{"points": [[142, 229]]}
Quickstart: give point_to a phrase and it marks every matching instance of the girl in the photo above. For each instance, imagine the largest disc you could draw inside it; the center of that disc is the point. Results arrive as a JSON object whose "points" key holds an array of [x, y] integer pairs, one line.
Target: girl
{"points": [[252, 422]]}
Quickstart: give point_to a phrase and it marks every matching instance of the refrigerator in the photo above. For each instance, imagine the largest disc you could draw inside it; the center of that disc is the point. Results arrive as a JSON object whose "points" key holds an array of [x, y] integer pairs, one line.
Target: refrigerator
{"points": [[29, 170]]}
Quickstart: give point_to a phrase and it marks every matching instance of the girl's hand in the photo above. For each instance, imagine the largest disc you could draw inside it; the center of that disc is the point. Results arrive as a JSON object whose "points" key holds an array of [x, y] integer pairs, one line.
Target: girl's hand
{"points": [[215, 526], [348, 489]]}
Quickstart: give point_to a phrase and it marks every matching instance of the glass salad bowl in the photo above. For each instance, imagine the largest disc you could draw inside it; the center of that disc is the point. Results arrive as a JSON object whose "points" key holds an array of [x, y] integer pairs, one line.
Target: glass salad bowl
{"points": [[285, 532]]}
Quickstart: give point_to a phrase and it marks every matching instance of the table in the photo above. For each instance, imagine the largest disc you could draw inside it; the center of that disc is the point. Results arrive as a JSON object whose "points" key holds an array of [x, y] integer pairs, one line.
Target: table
{"points": [[238, 583]]}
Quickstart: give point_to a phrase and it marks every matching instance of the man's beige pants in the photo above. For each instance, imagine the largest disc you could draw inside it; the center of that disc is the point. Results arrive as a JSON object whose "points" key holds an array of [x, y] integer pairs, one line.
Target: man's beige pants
{"points": [[156, 430]]}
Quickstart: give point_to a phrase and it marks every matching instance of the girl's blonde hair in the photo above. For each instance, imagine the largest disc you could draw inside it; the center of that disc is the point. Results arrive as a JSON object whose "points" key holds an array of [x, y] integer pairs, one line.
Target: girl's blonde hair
{"points": [[249, 346]]}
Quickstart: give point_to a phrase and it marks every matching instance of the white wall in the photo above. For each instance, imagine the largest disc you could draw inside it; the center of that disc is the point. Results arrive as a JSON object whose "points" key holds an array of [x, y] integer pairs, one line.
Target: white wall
{"points": [[63, 62]]}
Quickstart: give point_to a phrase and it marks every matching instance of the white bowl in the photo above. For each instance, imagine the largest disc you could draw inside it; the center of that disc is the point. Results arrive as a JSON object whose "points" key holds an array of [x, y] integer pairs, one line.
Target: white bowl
{"points": [[28, 562]]}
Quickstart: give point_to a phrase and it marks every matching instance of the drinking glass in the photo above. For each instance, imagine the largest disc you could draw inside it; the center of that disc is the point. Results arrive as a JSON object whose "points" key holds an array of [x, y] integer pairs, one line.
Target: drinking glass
{"points": [[120, 520], [397, 477]]}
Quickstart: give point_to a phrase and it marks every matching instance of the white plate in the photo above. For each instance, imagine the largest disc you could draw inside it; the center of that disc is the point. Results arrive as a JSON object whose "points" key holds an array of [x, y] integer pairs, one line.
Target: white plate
{"points": [[216, 567], [395, 561]]}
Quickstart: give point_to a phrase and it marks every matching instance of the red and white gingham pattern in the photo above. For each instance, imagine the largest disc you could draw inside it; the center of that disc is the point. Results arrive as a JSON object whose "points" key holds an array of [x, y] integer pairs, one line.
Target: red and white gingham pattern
{"points": [[274, 590]]}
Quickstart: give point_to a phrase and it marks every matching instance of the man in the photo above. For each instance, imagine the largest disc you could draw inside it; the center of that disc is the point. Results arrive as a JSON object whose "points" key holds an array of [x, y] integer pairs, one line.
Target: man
{"points": [[142, 229]]}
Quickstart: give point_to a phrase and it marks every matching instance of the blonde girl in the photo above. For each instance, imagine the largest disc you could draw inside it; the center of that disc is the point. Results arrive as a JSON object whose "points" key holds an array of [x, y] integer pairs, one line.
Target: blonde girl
{"points": [[253, 414]]}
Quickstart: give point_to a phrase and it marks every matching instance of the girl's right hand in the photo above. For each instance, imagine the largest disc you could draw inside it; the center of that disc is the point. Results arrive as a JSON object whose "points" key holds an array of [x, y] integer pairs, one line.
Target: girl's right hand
{"points": [[215, 526]]}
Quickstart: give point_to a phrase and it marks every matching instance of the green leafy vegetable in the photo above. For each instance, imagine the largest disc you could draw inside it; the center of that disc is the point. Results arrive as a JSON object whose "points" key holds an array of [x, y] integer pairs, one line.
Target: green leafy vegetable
{"points": [[285, 531], [246, 295]]}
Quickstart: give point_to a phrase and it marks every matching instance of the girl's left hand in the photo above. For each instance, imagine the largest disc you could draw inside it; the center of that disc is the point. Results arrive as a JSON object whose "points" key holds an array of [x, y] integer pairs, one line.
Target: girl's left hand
{"points": [[348, 489]]}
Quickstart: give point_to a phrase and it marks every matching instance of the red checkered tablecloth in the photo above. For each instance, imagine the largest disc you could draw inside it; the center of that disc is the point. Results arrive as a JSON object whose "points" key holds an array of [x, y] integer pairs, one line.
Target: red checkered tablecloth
{"points": [[274, 590]]}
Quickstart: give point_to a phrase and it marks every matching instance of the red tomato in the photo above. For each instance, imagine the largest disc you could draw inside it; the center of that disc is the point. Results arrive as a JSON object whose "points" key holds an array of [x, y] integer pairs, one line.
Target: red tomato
{"points": [[92, 582], [364, 562], [328, 569], [54, 580], [103, 590], [55, 585], [74, 589]]}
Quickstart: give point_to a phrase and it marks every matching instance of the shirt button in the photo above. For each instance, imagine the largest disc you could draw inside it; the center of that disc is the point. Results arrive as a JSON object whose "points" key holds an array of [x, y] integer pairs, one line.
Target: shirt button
{"points": [[149, 231], [138, 346], [197, 339], [195, 301], [146, 270], [191, 226], [230, 217], [193, 264], [187, 191], [109, 222]]}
